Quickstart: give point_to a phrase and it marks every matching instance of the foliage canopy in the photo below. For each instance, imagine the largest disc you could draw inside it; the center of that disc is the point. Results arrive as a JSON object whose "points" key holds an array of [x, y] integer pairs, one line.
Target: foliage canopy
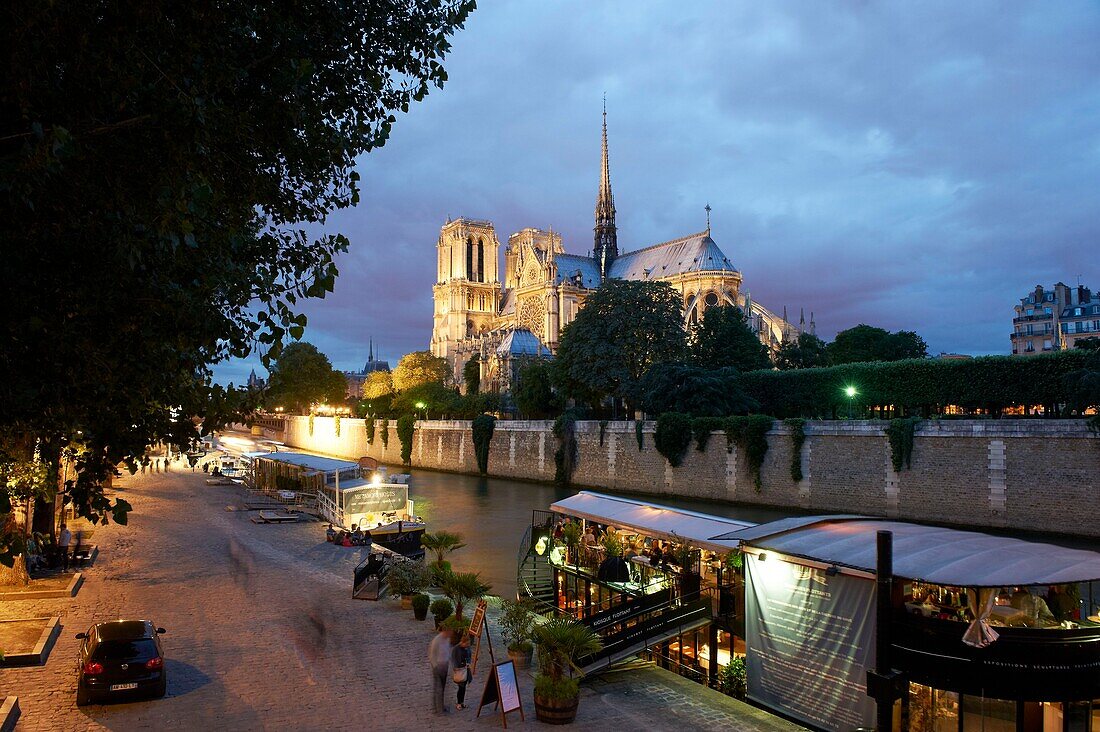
{"points": [[161, 169]]}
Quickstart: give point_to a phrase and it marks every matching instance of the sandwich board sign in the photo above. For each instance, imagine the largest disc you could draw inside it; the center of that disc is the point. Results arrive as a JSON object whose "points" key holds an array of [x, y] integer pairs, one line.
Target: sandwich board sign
{"points": [[502, 689]]}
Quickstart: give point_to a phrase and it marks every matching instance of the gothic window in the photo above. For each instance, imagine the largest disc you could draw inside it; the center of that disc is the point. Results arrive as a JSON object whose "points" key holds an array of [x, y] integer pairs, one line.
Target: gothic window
{"points": [[469, 328], [469, 257], [481, 302], [480, 260], [469, 302], [694, 317], [711, 299], [531, 316]]}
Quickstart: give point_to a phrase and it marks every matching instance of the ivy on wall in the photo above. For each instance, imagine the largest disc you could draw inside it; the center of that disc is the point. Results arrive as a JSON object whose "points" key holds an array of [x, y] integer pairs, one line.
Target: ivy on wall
{"points": [[385, 433], [311, 424], [750, 434], [565, 457], [406, 425], [483, 426], [336, 424], [900, 434], [369, 424], [701, 428], [639, 435], [603, 430], [673, 436], [797, 426]]}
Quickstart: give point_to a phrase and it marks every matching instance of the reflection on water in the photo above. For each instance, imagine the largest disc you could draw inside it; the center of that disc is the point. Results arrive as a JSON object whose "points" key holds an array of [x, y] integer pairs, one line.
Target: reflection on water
{"points": [[492, 514]]}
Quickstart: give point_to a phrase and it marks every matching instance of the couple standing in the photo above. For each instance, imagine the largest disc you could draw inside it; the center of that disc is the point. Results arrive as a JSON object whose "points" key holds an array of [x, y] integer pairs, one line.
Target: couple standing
{"points": [[445, 656]]}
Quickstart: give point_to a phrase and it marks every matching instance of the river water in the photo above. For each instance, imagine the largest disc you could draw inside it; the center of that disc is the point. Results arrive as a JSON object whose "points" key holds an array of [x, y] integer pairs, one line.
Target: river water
{"points": [[492, 514]]}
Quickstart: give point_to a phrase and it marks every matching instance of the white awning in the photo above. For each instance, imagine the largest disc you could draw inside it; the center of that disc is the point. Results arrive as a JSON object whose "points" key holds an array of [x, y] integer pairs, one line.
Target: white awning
{"points": [[313, 462], [652, 519], [927, 553]]}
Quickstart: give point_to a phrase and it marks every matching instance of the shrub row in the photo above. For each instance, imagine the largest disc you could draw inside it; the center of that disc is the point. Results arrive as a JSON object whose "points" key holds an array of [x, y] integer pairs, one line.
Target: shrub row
{"points": [[927, 385]]}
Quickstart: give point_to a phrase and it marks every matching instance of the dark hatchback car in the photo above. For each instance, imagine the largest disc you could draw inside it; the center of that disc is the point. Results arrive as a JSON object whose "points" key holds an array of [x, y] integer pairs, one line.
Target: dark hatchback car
{"points": [[119, 659]]}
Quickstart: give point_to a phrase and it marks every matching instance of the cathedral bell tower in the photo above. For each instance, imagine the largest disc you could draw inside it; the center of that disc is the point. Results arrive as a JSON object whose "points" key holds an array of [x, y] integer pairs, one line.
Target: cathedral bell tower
{"points": [[606, 238], [467, 289]]}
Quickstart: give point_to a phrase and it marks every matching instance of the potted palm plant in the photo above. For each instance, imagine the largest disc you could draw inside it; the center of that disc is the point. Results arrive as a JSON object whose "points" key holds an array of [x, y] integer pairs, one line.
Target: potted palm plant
{"points": [[441, 543], [516, 620], [406, 578], [462, 588], [420, 603], [571, 535], [685, 556], [560, 642]]}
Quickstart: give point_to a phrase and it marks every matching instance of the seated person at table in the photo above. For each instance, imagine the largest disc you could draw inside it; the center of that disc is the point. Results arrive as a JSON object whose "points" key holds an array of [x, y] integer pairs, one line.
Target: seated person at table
{"points": [[330, 533], [1061, 604], [345, 539], [1033, 606], [356, 534]]}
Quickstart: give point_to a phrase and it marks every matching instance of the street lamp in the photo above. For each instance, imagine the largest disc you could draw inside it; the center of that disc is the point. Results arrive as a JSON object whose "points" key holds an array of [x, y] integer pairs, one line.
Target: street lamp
{"points": [[850, 392], [422, 406]]}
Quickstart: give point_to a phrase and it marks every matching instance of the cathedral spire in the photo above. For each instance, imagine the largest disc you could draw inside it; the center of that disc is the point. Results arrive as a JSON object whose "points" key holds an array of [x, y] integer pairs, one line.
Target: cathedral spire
{"points": [[370, 353], [606, 246]]}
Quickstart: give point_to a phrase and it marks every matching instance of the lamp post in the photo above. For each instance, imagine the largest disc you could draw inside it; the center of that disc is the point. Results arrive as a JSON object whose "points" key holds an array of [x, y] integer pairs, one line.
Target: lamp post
{"points": [[421, 406], [850, 392]]}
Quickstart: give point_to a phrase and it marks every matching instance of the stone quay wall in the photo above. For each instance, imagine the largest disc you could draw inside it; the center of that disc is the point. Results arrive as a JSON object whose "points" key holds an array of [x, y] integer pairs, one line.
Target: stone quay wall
{"points": [[1033, 475]]}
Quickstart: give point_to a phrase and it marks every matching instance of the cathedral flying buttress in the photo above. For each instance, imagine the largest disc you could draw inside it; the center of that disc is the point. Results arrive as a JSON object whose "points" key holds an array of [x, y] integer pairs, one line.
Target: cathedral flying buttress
{"points": [[505, 319]]}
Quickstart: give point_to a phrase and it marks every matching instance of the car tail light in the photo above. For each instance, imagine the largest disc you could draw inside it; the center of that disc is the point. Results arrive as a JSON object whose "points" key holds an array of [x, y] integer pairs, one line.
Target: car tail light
{"points": [[155, 663], [92, 668]]}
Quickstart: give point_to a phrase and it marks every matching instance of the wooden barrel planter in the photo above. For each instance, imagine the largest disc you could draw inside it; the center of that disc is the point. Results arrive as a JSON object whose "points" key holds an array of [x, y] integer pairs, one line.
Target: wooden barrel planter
{"points": [[555, 711]]}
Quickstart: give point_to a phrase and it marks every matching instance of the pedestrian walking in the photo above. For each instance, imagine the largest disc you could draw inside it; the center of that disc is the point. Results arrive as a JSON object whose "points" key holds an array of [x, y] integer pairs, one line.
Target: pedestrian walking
{"points": [[64, 539], [460, 663], [439, 660]]}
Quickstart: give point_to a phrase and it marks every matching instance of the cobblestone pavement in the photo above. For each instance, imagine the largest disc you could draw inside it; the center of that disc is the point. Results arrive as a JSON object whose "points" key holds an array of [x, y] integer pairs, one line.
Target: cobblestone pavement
{"points": [[236, 597]]}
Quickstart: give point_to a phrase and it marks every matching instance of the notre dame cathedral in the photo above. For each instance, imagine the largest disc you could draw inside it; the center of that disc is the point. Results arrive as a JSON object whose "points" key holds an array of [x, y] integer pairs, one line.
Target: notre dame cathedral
{"points": [[520, 315]]}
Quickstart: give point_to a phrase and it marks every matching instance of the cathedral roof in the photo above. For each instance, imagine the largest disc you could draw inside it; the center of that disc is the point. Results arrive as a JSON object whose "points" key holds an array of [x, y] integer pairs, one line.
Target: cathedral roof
{"points": [[508, 302], [570, 264], [695, 253], [522, 342]]}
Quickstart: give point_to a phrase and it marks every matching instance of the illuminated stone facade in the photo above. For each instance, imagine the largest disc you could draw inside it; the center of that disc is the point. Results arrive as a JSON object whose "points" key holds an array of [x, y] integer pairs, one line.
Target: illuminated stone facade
{"points": [[542, 287]]}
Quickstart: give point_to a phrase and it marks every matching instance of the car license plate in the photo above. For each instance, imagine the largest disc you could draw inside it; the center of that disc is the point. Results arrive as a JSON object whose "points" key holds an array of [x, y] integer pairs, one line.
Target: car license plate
{"points": [[122, 687]]}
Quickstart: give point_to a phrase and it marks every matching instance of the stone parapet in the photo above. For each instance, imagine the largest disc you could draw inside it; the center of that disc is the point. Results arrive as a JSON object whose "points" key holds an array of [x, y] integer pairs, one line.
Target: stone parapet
{"points": [[1027, 474]]}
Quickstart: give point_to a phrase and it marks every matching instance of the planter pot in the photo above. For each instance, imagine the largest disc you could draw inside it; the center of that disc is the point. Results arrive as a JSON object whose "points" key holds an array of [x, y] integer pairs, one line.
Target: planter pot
{"points": [[522, 659], [407, 602], [420, 614], [556, 711]]}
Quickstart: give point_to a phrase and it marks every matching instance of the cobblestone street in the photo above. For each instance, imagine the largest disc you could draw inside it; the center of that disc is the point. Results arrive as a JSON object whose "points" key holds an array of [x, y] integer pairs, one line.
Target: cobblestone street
{"points": [[234, 597]]}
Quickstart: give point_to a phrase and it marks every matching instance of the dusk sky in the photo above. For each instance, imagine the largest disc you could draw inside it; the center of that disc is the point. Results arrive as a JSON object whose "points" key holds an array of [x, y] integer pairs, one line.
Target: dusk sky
{"points": [[915, 166]]}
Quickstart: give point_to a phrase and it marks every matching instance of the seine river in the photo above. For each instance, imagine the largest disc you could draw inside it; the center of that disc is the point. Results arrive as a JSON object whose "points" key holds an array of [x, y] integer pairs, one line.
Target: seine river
{"points": [[492, 514]]}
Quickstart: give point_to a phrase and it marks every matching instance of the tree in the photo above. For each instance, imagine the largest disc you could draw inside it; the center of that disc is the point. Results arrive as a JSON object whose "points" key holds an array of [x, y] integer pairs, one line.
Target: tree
{"points": [[867, 343], [723, 338], [624, 328], [677, 387], [420, 367], [303, 376], [533, 392], [807, 351], [462, 588], [471, 375], [378, 384], [1083, 385], [161, 167], [436, 398]]}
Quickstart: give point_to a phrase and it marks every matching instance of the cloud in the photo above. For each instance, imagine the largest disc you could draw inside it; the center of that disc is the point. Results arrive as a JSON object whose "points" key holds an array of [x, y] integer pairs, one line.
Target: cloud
{"points": [[916, 166]]}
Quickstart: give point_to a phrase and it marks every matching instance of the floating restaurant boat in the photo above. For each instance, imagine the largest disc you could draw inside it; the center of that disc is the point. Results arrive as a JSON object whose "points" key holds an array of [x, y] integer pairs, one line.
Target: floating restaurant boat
{"points": [[346, 494], [843, 622]]}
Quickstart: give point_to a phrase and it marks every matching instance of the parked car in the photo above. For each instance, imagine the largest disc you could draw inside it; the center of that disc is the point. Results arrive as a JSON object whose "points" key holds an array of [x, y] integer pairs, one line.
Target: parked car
{"points": [[120, 658]]}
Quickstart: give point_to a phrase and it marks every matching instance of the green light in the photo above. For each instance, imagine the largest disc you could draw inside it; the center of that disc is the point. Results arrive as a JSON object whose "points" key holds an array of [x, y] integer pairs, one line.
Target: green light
{"points": [[850, 391]]}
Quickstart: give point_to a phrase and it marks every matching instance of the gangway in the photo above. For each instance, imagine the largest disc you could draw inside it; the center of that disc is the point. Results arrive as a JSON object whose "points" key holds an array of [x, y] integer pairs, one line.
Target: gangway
{"points": [[369, 576]]}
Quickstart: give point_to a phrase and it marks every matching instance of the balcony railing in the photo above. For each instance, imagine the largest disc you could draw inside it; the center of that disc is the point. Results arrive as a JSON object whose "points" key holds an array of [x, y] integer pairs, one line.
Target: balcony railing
{"points": [[1031, 664]]}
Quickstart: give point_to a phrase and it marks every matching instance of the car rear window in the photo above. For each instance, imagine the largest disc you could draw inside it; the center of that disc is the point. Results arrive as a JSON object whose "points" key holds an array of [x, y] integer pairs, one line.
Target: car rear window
{"points": [[126, 650]]}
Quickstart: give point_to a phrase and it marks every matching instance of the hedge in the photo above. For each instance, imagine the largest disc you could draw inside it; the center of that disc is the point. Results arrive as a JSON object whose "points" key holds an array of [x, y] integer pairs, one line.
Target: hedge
{"points": [[406, 425], [927, 385], [482, 426]]}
